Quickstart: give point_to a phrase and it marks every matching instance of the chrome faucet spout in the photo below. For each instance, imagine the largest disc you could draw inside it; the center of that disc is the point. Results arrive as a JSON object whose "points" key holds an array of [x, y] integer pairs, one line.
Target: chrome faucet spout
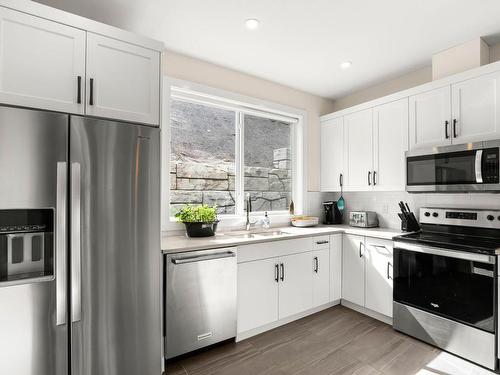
{"points": [[248, 203]]}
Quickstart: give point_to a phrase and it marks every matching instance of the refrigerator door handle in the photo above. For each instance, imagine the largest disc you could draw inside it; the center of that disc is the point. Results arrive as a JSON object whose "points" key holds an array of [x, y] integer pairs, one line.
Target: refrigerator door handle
{"points": [[61, 261], [76, 249]]}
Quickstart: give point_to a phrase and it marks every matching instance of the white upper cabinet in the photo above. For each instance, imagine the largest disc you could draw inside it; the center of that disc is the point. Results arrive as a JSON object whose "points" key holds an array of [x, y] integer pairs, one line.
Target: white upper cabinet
{"points": [[390, 142], [122, 80], [353, 269], [332, 154], [476, 109], [378, 276], [358, 151], [40, 62], [430, 118]]}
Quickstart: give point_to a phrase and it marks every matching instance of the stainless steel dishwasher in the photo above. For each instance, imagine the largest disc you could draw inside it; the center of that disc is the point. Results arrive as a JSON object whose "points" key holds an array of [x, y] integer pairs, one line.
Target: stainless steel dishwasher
{"points": [[200, 299]]}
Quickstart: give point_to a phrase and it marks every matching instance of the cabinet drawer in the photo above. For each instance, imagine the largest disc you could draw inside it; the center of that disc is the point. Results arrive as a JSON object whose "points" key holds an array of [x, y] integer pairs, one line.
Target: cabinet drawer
{"points": [[273, 249], [321, 242]]}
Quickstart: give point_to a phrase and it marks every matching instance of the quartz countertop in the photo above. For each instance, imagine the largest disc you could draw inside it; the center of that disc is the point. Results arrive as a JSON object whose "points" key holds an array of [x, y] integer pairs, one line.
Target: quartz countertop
{"points": [[181, 243]]}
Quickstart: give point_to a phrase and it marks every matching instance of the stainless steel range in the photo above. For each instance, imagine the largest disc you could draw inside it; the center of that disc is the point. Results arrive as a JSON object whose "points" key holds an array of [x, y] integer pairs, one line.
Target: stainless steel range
{"points": [[445, 282]]}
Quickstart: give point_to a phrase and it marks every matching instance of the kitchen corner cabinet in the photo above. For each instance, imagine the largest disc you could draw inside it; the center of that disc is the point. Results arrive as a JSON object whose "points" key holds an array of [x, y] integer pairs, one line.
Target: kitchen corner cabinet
{"points": [[335, 267], [332, 154], [320, 266], [122, 80], [353, 269], [41, 63], [358, 152], [367, 273]]}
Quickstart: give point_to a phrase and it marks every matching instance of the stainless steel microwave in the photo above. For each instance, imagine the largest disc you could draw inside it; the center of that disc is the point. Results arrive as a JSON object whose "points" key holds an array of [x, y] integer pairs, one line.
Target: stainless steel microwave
{"points": [[469, 167]]}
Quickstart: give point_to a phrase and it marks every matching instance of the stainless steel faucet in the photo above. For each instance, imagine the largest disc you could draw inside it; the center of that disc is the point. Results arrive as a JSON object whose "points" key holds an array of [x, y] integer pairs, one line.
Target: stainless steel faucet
{"points": [[248, 203]]}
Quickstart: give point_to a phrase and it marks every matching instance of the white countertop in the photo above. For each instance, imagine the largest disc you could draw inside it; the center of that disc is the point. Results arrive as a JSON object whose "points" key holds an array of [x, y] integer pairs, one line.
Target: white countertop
{"points": [[181, 243]]}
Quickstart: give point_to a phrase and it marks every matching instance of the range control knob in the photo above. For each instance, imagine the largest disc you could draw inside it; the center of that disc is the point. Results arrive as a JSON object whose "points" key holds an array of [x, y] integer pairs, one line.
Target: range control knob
{"points": [[435, 214], [498, 217], [429, 214], [490, 217]]}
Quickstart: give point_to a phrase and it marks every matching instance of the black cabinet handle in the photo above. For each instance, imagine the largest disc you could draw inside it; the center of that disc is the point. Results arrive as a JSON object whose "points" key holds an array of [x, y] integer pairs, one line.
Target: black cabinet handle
{"points": [[446, 129], [388, 275], [316, 264], [374, 178], [369, 178], [79, 89], [282, 272], [321, 242], [360, 253], [454, 128], [276, 273], [341, 179], [91, 95]]}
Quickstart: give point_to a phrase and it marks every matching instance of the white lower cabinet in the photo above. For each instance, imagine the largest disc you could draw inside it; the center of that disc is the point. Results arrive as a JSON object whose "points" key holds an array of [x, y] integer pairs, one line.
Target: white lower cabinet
{"points": [[335, 267], [295, 287], [378, 276], [257, 293], [353, 269], [367, 273], [321, 276]]}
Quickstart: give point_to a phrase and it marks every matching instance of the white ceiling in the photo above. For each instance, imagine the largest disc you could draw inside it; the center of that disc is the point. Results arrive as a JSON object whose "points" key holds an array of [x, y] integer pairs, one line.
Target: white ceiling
{"points": [[302, 42]]}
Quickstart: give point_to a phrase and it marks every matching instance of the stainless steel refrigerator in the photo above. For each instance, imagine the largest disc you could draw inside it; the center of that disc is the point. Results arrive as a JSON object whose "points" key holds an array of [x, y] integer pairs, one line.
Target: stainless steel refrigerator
{"points": [[79, 246]]}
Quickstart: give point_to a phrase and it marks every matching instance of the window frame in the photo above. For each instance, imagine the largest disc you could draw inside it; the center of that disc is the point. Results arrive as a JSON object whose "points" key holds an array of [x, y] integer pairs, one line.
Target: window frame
{"points": [[241, 105]]}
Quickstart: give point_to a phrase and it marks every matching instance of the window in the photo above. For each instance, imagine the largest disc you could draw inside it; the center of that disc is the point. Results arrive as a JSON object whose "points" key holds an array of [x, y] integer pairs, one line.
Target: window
{"points": [[221, 150]]}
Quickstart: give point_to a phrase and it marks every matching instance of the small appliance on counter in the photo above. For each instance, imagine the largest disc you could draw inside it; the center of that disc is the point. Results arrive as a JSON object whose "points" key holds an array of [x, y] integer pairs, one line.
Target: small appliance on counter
{"points": [[409, 222], [363, 219], [332, 213]]}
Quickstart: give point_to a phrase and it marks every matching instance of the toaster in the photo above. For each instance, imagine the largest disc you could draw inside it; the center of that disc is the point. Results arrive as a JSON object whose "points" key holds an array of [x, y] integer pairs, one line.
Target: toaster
{"points": [[363, 219]]}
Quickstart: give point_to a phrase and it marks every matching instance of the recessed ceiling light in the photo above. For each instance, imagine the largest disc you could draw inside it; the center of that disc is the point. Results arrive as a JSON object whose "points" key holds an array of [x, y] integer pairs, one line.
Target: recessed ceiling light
{"points": [[346, 64], [252, 23]]}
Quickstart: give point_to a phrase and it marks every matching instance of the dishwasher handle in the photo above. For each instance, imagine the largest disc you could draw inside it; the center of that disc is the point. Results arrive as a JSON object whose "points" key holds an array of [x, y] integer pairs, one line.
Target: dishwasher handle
{"points": [[200, 258]]}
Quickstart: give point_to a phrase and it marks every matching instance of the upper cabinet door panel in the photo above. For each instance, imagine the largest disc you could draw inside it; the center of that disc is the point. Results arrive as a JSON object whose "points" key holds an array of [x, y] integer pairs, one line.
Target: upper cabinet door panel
{"points": [[390, 141], [332, 154], [40, 62], [476, 109], [358, 153], [123, 81], [430, 117]]}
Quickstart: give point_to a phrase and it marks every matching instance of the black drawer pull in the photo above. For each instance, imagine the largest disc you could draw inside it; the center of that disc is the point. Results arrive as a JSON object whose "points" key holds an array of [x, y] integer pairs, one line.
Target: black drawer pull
{"points": [[321, 242]]}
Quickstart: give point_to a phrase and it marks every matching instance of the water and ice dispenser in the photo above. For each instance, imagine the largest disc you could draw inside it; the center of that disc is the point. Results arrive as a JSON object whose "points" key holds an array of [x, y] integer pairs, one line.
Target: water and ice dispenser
{"points": [[26, 245]]}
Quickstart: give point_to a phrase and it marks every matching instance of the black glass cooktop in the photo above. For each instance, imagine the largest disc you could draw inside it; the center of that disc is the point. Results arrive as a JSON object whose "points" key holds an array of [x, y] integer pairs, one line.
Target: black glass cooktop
{"points": [[453, 241]]}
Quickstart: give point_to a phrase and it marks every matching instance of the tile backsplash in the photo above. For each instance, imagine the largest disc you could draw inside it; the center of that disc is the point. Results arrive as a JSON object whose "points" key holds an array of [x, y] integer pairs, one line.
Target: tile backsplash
{"points": [[385, 204]]}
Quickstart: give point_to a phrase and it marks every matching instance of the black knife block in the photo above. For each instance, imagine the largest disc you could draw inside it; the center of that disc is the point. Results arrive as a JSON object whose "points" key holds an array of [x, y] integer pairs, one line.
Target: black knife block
{"points": [[410, 224]]}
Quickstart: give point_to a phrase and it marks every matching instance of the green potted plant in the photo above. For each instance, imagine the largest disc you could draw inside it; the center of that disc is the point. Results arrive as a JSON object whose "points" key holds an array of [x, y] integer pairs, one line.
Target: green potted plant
{"points": [[200, 221]]}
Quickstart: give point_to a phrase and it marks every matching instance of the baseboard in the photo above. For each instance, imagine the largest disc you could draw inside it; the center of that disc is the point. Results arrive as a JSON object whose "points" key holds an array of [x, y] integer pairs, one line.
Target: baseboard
{"points": [[256, 331], [363, 310]]}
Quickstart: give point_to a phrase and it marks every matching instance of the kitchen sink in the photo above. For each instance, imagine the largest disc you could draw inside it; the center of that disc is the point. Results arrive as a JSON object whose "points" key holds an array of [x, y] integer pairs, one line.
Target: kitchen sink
{"points": [[266, 234]]}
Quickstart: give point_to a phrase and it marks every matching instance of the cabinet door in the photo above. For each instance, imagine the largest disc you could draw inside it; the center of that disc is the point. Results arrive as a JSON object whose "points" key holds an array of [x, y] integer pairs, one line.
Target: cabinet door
{"points": [[123, 80], [378, 276], [353, 269], [358, 153], [257, 293], [295, 290], [390, 142], [430, 116], [335, 267], [321, 276], [40, 62], [476, 109], [332, 154]]}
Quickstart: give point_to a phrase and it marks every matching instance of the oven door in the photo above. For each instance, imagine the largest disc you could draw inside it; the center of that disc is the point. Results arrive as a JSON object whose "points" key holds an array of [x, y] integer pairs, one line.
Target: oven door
{"points": [[454, 168], [456, 285]]}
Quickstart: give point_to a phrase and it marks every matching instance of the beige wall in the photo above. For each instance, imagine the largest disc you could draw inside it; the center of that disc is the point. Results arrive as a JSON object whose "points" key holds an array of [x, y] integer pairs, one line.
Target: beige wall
{"points": [[190, 69], [391, 86]]}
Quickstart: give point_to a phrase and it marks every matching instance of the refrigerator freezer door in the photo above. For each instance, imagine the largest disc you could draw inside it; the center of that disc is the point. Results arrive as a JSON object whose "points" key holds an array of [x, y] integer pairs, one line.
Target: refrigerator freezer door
{"points": [[33, 314], [116, 327]]}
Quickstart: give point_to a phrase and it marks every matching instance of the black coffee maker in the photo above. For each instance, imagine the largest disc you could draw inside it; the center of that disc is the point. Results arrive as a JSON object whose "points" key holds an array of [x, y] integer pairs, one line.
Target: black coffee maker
{"points": [[332, 213]]}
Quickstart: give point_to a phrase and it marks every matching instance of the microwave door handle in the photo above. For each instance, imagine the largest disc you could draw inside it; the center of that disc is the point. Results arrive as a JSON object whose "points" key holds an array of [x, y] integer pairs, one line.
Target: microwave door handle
{"points": [[478, 167]]}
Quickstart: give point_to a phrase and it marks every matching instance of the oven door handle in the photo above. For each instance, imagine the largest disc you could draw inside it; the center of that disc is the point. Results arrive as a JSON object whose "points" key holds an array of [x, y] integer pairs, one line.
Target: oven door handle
{"points": [[482, 258], [478, 166]]}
